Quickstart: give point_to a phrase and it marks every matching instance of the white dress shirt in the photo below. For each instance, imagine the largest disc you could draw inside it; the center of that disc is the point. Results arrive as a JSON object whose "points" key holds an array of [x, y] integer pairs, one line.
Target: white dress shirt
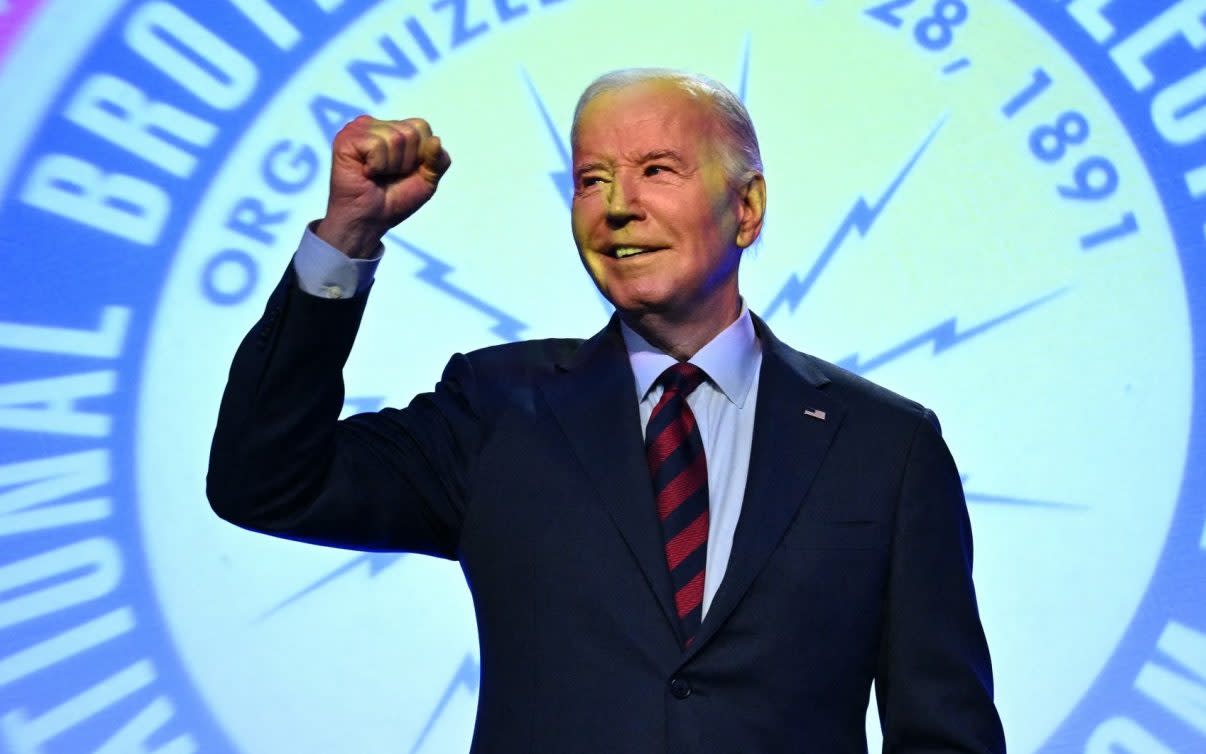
{"points": [[723, 404], [724, 411]]}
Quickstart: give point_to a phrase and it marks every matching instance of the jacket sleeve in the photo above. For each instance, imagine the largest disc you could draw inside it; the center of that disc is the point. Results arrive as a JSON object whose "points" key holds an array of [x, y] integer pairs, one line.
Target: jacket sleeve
{"points": [[283, 463], [934, 675]]}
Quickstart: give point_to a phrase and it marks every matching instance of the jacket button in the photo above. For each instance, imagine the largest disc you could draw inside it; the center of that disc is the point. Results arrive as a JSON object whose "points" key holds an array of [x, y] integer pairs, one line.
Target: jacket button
{"points": [[679, 688]]}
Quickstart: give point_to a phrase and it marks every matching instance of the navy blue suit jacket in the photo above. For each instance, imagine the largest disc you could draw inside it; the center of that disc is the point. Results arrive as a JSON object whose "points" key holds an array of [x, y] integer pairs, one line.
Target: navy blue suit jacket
{"points": [[851, 560]]}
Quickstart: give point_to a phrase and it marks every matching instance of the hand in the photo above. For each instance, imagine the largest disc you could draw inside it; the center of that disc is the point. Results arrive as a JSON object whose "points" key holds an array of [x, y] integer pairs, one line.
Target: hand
{"points": [[382, 171]]}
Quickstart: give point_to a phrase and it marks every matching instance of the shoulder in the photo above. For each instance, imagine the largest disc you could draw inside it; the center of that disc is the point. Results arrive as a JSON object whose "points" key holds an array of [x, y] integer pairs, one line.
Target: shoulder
{"points": [[859, 392], [507, 373], [520, 362], [880, 432], [865, 403]]}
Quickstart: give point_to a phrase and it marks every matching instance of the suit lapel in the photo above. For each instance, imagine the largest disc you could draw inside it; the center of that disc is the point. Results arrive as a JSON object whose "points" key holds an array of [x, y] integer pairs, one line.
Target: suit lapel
{"points": [[789, 446], [594, 399]]}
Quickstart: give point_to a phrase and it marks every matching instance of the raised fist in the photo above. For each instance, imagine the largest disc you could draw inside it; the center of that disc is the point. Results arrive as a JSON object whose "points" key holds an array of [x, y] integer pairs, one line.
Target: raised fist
{"points": [[382, 171]]}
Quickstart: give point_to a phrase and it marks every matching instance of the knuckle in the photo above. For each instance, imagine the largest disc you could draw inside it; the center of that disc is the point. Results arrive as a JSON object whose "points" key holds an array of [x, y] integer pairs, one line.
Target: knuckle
{"points": [[392, 137], [359, 123], [355, 130], [419, 124]]}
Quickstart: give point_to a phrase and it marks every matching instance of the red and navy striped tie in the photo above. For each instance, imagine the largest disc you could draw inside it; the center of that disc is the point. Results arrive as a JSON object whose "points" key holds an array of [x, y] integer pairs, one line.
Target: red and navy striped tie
{"points": [[680, 483]]}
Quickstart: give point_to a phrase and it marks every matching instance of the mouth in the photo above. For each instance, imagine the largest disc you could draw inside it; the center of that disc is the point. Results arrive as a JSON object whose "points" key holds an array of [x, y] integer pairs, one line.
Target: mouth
{"points": [[624, 252]]}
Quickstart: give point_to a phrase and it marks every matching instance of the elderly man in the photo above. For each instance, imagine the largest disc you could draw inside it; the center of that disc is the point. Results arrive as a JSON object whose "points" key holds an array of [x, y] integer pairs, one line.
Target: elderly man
{"points": [[681, 535]]}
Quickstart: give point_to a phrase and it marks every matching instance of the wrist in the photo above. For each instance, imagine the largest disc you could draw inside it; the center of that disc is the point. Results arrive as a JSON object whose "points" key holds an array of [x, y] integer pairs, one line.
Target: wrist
{"points": [[357, 240]]}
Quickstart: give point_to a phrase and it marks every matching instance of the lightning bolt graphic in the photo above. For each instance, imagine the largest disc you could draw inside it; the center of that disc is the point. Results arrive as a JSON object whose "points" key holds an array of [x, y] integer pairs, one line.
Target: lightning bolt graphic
{"points": [[860, 218], [1029, 502], [743, 79], [435, 273], [376, 561], [944, 336], [468, 676], [362, 404], [983, 497], [563, 177]]}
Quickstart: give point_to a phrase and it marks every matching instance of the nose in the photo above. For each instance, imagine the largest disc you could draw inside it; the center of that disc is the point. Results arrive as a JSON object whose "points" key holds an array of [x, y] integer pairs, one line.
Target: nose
{"points": [[623, 200]]}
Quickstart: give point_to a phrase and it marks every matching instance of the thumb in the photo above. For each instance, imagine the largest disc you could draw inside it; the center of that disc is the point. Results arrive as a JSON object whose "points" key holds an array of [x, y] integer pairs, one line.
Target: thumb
{"points": [[434, 161]]}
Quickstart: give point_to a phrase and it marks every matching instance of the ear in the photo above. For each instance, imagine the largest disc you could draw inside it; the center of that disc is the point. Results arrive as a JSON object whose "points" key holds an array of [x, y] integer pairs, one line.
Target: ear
{"points": [[751, 208]]}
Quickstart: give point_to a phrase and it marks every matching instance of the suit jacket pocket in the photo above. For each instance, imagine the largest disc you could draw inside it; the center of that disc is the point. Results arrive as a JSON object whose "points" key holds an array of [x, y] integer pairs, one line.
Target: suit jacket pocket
{"points": [[811, 534]]}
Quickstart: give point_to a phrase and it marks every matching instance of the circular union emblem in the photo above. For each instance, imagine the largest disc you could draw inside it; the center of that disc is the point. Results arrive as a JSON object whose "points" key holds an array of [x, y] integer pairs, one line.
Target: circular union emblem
{"points": [[994, 208]]}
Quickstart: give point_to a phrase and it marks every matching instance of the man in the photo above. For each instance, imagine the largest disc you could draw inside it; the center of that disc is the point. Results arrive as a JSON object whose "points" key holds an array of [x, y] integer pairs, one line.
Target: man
{"points": [[680, 535]]}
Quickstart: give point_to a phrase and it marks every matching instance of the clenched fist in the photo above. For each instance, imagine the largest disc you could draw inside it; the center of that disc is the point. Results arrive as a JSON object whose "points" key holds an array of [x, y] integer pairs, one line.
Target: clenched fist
{"points": [[382, 171]]}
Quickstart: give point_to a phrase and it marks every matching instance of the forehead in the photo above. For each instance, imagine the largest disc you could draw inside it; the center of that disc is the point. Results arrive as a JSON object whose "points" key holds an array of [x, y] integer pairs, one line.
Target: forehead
{"points": [[643, 117]]}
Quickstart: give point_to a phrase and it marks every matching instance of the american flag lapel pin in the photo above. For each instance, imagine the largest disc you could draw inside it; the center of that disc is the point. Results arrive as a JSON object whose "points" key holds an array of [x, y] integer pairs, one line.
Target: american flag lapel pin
{"points": [[815, 413]]}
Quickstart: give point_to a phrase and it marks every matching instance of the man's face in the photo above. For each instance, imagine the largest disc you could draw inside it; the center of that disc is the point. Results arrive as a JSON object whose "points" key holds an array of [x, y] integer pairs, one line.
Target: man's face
{"points": [[655, 222]]}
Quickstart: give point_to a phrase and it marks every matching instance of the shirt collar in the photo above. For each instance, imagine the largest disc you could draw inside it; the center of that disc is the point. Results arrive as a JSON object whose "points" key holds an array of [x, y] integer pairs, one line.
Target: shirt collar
{"points": [[730, 359]]}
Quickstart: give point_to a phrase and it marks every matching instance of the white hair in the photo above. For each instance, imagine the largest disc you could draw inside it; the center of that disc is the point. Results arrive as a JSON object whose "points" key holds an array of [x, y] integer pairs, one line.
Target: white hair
{"points": [[739, 152]]}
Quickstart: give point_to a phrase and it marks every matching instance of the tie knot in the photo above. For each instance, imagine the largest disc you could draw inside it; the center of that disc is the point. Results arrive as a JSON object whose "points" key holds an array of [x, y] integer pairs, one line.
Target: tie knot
{"points": [[682, 378]]}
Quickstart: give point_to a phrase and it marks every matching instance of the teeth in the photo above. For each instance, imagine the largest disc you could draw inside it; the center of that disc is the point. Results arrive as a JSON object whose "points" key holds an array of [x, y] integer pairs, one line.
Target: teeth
{"points": [[628, 251]]}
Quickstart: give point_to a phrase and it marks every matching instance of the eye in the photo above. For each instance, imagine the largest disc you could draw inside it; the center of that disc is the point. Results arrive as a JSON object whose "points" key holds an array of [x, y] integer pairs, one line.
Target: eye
{"points": [[652, 170], [587, 181]]}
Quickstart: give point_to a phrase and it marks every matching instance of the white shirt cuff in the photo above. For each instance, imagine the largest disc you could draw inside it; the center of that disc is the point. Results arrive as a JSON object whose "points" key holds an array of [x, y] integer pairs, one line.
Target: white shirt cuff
{"points": [[324, 271]]}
